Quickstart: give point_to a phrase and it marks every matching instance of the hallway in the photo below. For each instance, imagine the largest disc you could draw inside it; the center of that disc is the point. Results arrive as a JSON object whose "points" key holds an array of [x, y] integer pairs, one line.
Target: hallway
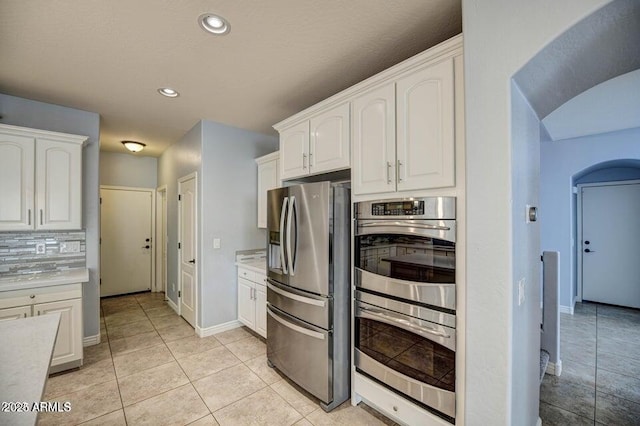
{"points": [[600, 381]]}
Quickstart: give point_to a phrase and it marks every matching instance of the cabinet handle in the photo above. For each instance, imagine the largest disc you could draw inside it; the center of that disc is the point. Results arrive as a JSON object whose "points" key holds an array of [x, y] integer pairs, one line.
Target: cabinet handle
{"points": [[29, 214], [41, 217], [388, 172], [310, 160], [398, 171], [253, 296], [304, 160]]}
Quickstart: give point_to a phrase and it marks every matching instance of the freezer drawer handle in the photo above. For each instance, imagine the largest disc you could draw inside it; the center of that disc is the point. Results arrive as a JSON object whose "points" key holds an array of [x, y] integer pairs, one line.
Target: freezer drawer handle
{"points": [[403, 224], [288, 295], [296, 328], [401, 322]]}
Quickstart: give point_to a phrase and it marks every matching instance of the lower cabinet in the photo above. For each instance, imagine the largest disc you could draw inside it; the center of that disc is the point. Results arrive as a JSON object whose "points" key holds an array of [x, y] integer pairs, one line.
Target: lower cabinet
{"points": [[252, 300], [63, 299]]}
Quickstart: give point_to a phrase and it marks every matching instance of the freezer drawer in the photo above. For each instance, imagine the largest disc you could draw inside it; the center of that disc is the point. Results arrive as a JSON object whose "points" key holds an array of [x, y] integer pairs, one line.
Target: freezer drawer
{"points": [[301, 352], [310, 308]]}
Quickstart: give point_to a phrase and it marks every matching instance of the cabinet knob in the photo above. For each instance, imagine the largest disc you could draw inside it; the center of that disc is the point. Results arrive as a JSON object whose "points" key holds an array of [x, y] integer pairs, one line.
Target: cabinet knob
{"points": [[395, 408], [33, 296]]}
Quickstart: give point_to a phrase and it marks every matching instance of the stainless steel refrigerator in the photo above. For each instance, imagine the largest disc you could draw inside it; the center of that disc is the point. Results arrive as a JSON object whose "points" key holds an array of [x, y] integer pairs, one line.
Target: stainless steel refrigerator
{"points": [[308, 309]]}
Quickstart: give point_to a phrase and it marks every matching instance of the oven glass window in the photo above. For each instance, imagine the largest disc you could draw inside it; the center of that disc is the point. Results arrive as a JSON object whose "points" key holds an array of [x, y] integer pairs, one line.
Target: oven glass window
{"points": [[411, 258], [407, 353]]}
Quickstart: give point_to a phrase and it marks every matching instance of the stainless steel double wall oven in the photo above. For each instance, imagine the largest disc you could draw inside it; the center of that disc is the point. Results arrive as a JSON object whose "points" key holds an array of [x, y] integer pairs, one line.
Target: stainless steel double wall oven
{"points": [[405, 298]]}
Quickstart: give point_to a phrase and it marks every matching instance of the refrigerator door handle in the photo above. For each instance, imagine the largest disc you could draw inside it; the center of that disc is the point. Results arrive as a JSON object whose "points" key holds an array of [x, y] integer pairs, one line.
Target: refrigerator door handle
{"points": [[285, 201], [293, 296], [290, 256], [295, 327]]}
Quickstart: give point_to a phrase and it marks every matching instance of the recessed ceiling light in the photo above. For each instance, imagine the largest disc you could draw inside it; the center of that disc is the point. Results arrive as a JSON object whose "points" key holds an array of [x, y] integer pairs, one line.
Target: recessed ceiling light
{"points": [[214, 24], [168, 92], [133, 146]]}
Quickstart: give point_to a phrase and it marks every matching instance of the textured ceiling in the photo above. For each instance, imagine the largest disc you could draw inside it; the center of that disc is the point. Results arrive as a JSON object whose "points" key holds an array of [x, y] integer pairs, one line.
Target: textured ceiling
{"points": [[280, 57], [602, 46]]}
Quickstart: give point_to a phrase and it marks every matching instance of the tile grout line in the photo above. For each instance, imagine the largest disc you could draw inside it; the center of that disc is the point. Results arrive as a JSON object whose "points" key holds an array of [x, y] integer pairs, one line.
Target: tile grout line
{"points": [[114, 367]]}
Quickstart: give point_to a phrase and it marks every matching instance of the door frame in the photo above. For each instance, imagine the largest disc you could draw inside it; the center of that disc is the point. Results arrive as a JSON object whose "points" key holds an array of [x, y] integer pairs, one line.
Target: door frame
{"points": [[578, 242], [196, 270], [160, 283], [151, 191]]}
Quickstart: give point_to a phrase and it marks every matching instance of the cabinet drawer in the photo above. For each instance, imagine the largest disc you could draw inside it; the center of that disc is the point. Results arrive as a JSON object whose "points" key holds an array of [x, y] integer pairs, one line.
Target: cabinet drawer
{"points": [[9, 299], [246, 274], [261, 279]]}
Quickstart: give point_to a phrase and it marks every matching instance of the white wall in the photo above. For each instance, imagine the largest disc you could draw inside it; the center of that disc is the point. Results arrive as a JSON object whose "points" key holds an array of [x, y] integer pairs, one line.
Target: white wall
{"points": [[131, 170], [560, 161], [39, 115], [180, 159], [500, 36], [525, 334], [229, 212]]}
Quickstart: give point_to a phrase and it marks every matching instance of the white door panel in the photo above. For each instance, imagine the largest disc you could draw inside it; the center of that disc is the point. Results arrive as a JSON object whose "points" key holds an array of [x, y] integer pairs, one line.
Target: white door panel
{"points": [[125, 232], [610, 229], [188, 248]]}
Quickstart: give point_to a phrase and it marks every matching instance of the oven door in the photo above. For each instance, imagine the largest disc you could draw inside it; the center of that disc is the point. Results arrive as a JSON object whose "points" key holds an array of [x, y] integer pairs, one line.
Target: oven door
{"points": [[409, 259], [411, 355]]}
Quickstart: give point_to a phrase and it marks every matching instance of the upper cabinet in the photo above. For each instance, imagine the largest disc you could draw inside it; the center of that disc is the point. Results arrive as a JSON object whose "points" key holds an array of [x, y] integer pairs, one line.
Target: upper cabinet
{"points": [[268, 178], [40, 179], [403, 136], [316, 145]]}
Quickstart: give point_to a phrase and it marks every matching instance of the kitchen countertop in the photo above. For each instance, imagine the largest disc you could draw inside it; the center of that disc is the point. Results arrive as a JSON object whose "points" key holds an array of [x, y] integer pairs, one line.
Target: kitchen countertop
{"points": [[44, 279], [25, 356], [259, 266]]}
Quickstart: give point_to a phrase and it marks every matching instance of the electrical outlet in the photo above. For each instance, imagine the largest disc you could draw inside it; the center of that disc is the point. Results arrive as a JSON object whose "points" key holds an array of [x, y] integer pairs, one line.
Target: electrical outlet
{"points": [[521, 285], [216, 243], [41, 248]]}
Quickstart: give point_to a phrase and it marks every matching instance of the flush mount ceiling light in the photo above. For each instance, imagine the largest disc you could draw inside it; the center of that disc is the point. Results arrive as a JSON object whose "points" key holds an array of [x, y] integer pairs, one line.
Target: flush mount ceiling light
{"points": [[168, 92], [214, 24], [133, 146]]}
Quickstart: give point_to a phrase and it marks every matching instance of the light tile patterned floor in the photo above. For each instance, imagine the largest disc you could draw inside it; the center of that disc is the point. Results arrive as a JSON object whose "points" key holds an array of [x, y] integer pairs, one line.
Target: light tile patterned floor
{"points": [[151, 369], [600, 381]]}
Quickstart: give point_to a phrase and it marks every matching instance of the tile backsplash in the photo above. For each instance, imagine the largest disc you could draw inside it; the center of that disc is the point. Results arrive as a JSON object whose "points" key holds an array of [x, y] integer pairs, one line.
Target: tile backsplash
{"points": [[19, 254]]}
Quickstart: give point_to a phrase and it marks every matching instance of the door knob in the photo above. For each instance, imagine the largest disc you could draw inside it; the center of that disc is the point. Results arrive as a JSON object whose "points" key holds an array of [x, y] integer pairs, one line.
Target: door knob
{"points": [[589, 251], [146, 247], [192, 261], [147, 240], [587, 242]]}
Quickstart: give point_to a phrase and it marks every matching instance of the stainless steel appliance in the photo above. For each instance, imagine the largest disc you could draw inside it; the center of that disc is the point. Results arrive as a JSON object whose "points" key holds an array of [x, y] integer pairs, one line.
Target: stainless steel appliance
{"points": [[405, 298], [308, 308]]}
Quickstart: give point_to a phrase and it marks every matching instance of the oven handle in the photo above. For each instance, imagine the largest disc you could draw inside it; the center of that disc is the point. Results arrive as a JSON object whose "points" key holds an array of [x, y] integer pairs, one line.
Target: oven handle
{"points": [[400, 322], [403, 224]]}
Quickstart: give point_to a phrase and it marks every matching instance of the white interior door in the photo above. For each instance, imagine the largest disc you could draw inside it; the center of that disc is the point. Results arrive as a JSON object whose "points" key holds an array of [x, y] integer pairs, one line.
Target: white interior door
{"points": [[125, 233], [188, 224], [610, 229]]}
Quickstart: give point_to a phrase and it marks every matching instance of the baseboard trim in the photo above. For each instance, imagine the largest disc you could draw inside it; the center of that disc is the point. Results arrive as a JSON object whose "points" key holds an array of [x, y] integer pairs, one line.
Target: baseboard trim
{"points": [[173, 306], [210, 331], [91, 340], [554, 369], [566, 309]]}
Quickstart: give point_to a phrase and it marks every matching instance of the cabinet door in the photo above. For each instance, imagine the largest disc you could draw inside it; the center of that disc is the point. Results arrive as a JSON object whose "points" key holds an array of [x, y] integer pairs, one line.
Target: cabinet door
{"points": [[267, 179], [329, 140], [69, 341], [246, 304], [425, 140], [15, 313], [294, 151], [261, 311], [374, 131], [16, 182], [59, 185]]}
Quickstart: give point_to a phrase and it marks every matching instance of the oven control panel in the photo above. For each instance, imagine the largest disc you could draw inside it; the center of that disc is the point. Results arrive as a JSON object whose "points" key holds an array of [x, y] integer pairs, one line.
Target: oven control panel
{"points": [[398, 208]]}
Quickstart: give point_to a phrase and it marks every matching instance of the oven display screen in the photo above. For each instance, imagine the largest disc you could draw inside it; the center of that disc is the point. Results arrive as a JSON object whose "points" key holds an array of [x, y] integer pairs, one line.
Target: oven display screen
{"points": [[398, 208]]}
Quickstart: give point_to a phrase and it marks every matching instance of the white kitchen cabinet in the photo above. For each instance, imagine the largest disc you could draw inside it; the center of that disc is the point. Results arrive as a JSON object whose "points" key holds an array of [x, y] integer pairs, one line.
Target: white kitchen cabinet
{"points": [[252, 300], [317, 145], [268, 178], [40, 179], [404, 133], [69, 339], [65, 299]]}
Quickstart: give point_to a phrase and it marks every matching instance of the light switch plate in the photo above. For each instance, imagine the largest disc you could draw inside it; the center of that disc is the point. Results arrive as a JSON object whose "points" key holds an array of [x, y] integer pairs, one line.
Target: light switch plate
{"points": [[216, 243]]}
